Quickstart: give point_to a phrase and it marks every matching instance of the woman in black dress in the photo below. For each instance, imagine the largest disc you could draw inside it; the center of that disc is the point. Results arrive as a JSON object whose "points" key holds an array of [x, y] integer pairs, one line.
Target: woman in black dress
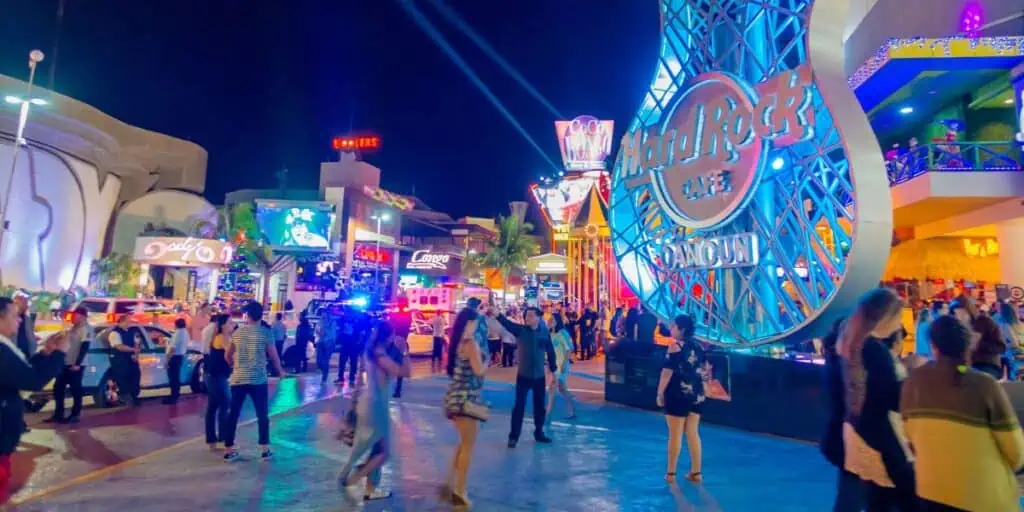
{"points": [[681, 393]]}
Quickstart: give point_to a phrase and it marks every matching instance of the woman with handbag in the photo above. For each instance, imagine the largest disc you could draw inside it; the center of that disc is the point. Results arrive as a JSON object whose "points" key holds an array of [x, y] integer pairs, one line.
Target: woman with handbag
{"points": [[462, 403]]}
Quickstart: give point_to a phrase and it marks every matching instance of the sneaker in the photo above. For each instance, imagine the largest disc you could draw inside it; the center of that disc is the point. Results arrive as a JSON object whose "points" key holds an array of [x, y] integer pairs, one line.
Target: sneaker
{"points": [[266, 454], [377, 494], [231, 455], [512, 443], [541, 438], [72, 420]]}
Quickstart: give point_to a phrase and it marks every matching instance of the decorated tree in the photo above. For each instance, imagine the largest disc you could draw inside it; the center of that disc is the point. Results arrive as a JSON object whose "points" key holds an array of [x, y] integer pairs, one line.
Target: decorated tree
{"points": [[251, 244]]}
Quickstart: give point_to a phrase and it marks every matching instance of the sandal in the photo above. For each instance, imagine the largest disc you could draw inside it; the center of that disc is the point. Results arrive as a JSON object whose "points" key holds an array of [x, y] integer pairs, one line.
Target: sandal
{"points": [[694, 477], [445, 494], [670, 478]]}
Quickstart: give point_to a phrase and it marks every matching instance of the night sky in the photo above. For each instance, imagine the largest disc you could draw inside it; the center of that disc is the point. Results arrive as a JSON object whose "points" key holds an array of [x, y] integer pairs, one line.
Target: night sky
{"points": [[264, 85]]}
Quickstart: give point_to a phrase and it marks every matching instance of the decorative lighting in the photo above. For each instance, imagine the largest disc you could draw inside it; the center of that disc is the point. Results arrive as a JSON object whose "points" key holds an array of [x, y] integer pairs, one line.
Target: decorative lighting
{"points": [[972, 18], [907, 110], [1008, 101], [778, 163], [16, 100]]}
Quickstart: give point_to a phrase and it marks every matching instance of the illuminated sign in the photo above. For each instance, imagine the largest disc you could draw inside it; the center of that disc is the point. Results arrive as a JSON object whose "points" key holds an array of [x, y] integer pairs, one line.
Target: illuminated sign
{"points": [[749, 191], [547, 264], [706, 159], [367, 253], [561, 233], [983, 248], [393, 200], [425, 260], [364, 143], [564, 200], [182, 252], [709, 253], [585, 142]]}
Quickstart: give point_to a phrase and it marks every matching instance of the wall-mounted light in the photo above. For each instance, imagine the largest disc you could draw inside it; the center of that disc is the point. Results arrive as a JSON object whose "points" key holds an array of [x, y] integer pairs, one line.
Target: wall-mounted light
{"points": [[778, 163], [907, 110]]}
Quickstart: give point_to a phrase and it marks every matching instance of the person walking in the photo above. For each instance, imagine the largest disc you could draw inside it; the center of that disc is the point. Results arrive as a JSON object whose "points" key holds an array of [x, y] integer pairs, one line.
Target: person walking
{"points": [[303, 337], [875, 448], [373, 421], [532, 346], [280, 331], [681, 394], [80, 338], [351, 348], [463, 403], [21, 372], [437, 326], [177, 347], [562, 345], [849, 496], [124, 361], [251, 346], [966, 437], [218, 395], [326, 339]]}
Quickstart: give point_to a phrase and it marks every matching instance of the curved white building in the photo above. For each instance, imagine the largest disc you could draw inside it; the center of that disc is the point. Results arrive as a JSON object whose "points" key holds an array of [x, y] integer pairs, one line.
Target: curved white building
{"points": [[78, 167]]}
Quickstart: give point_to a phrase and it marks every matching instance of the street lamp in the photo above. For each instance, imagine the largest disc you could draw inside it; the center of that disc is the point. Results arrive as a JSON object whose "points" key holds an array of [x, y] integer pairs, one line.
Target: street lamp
{"points": [[379, 217], [34, 57]]}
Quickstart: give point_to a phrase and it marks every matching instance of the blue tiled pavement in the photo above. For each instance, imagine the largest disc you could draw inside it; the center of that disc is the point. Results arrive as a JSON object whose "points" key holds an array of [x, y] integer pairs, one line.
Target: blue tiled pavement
{"points": [[610, 459]]}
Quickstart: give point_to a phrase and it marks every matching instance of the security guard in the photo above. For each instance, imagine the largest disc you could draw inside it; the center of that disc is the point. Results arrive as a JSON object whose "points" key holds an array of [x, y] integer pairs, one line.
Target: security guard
{"points": [[124, 362]]}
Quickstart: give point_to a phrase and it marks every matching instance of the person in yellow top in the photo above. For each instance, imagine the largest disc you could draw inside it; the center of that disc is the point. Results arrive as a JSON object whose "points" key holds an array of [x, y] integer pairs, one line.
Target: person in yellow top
{"points": [[962, 428]]}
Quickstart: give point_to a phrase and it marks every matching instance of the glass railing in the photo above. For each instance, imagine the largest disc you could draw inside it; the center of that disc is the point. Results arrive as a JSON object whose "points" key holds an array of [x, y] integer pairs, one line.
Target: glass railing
{"points": [[955, 157]]}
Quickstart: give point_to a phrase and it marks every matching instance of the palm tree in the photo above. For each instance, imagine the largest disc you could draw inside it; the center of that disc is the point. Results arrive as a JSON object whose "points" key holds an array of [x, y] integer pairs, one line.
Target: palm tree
{"points": [[511, 249]]}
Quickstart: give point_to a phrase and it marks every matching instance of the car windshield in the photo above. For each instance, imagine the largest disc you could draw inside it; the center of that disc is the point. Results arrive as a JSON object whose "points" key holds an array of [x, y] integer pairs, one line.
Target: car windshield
{"points": [[94, 306], [123, 307]]}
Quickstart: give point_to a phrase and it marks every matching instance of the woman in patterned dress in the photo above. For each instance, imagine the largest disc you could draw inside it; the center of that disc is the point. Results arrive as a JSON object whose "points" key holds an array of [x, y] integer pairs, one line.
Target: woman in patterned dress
{"points": [[462, 402], [681, 394], [562, 344]]}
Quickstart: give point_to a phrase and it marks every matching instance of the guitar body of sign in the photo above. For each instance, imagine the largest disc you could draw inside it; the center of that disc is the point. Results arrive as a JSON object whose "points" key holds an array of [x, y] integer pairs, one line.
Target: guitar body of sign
{"points": [[737, 177]]}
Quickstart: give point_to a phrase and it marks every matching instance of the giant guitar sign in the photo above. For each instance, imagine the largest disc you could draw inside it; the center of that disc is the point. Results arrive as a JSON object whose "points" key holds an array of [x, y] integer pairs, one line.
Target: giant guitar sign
{"points": [[750, 180]]}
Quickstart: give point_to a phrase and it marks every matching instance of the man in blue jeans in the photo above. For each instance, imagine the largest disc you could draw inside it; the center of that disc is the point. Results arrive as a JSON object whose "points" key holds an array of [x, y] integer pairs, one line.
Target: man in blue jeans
{"points": [[251, 345]]}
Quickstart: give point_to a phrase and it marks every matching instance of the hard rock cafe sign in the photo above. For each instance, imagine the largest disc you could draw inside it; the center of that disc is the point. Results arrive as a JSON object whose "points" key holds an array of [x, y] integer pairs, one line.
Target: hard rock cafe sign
{"points": [[750, 180]]}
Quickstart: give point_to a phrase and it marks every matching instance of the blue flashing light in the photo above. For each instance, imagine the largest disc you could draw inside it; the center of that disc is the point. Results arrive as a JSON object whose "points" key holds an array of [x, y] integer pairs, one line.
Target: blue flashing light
{"points": [[357, 302]]}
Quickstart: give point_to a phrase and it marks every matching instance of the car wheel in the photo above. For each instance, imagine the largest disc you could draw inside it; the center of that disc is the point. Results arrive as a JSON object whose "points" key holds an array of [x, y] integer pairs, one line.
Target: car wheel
{"points": [[198, 381], [107, 393]]}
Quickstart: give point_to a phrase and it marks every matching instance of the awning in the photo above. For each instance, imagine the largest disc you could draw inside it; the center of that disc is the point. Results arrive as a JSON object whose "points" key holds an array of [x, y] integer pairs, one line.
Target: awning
{"points": [[547, 264]]}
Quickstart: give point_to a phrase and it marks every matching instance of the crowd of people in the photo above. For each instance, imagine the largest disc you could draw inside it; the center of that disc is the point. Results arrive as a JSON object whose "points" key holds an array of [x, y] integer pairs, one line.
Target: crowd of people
{"points": [[933, 430]]}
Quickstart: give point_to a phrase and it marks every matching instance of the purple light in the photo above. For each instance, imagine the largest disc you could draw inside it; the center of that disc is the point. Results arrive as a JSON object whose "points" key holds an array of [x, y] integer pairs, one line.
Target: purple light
{"points": [[972, 18]]}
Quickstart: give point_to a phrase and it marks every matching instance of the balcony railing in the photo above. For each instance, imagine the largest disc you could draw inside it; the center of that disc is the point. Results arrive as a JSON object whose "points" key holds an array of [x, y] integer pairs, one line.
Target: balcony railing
{"points": [[955, 157]]}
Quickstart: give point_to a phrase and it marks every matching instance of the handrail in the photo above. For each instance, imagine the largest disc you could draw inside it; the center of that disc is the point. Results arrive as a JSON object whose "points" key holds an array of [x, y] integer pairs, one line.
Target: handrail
{"points": [[955, 157]]}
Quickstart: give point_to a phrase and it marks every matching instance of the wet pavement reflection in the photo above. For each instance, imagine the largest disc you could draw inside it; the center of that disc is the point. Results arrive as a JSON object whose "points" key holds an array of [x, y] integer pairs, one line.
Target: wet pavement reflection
{"points": [[609, 459]]}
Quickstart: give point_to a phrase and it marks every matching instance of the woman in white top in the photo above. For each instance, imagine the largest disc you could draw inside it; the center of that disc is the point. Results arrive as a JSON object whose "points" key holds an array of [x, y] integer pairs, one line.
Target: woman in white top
{"points": [[562, 344]]}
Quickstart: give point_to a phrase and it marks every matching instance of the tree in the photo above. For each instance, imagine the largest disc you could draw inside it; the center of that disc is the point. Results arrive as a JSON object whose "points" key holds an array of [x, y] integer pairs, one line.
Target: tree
{"points": [[116, 275], [511, 249], [251, 244]]}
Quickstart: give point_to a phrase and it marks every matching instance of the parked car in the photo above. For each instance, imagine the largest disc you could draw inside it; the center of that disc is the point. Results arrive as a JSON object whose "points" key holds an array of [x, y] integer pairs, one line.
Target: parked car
{"points": [[106, 310], [100, 382]]}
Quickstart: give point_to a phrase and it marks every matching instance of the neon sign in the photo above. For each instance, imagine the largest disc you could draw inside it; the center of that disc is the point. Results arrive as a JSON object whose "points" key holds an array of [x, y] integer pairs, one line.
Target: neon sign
{"points": [[356, 143], [369, 254], [182, 252], [585, 142], [706, 159], [734, 198], [426, 260], [562, 201], [393, 200]]}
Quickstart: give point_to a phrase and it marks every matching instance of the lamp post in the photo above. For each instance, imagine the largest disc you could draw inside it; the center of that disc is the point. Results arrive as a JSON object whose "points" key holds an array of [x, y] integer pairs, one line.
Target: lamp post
{"points": [[34, 57], [379, 217]]}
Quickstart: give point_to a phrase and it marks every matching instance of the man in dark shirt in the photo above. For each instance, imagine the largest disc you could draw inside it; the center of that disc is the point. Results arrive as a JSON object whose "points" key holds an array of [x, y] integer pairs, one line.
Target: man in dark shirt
{"points": [[532, 345], [645, 327]]}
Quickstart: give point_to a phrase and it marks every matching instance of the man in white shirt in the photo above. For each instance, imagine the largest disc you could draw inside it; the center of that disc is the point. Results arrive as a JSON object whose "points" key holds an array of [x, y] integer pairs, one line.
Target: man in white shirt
{"points": [[280, 333], [80, 338], [437, 325], [177, 346]]}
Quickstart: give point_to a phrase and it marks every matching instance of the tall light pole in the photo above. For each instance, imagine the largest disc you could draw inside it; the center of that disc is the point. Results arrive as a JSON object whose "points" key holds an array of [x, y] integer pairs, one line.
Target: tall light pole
{"points": [[379, 217], [34, 58]]}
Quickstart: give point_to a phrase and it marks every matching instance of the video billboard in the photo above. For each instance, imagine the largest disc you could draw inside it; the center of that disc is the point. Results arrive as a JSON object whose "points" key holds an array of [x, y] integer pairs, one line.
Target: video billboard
{"points": [[295, 225]]}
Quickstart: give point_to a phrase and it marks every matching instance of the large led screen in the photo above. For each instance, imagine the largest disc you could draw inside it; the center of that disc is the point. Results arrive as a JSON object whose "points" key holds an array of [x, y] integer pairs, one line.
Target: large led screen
{"points": [[297, 226], [563, 200]]}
